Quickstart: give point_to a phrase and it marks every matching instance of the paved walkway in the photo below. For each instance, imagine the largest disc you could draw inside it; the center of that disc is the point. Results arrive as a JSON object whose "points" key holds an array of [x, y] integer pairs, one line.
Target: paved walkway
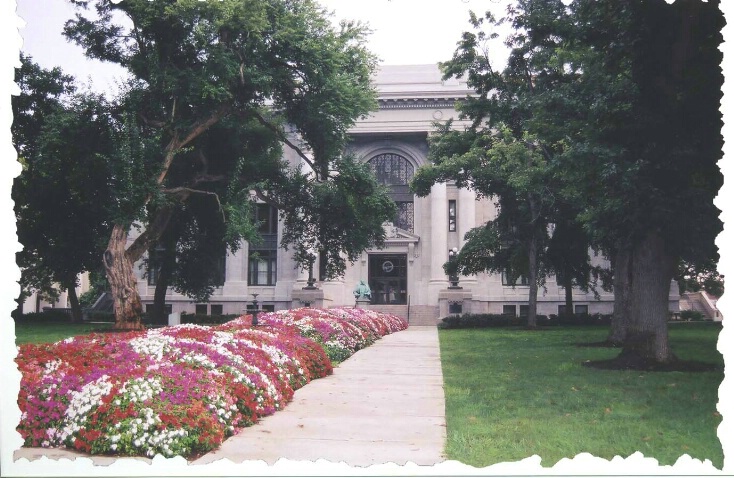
{"points": [[385, 404]]}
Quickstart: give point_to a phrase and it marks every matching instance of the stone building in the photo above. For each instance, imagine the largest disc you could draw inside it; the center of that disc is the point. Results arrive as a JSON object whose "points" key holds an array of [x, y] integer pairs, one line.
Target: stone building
{"points": [[406, 276]]}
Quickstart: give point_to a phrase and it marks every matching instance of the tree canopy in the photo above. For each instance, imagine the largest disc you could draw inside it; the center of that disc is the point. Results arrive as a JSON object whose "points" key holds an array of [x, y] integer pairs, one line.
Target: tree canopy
{"points": [[217, 90], [619, 101]]}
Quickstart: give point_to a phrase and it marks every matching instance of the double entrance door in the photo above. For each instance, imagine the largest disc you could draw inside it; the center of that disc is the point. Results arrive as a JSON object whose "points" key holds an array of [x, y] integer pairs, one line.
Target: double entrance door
{"points": [[388, 278]]}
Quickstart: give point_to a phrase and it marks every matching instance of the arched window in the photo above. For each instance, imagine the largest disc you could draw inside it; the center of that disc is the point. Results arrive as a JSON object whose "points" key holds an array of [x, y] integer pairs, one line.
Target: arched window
{"points": [[395, 172]]}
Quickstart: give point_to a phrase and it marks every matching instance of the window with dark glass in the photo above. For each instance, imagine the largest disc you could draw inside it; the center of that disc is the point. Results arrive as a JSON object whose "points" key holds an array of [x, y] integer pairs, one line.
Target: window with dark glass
{"points": [[220, 267], [524, 309], [509, 310], [202, 309], [155, 259], [263, 257], [217, 309], [395, 172], [521, 280], [580, 309], [452, 215]]}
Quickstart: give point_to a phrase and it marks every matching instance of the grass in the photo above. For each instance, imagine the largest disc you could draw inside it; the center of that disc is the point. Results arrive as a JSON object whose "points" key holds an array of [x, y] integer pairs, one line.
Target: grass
{"points": [[513, 393], [37, 333]]}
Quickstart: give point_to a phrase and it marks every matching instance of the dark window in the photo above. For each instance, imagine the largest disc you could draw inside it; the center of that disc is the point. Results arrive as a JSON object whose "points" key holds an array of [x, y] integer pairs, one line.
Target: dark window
{"points": [[149, 308], [392, 169], [581, 309], [263, 258], [522, 280], [524, 309], [404, 218], [395, 172], [201, 309], [217, 309], [561, 310], [267, 218], [509, 310], [155, 259], [220, 266], [452, 215], [262, 268]]}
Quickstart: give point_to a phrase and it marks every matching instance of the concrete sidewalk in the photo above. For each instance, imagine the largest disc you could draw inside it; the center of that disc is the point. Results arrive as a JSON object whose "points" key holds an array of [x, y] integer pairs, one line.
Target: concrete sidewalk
{"points": [[385, 404]]}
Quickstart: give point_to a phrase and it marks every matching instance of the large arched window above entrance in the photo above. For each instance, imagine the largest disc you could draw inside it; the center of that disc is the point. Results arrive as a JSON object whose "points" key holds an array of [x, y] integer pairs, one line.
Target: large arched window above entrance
{"points": [[395, 172]]}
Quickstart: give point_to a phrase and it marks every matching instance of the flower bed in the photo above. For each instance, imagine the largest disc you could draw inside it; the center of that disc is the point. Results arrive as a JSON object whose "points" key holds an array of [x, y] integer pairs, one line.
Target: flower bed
{"points": [[181, 390]]}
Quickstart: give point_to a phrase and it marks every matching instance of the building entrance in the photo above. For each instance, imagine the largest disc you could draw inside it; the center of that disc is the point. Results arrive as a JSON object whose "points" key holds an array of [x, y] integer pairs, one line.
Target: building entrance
{"points": [[388, 278]]}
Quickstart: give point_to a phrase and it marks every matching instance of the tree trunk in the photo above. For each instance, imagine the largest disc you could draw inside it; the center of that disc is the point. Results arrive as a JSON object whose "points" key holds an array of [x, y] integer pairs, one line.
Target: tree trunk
{"points": [[651, 272], [122, 280], [568, 289], [622, 295], [161, 287], [76, 308], [533, 282]]}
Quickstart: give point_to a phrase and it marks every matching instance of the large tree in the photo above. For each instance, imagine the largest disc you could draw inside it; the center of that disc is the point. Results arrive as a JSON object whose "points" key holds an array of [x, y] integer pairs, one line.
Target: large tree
{"points": [[624, 95], [198, 65], [62, 196]]}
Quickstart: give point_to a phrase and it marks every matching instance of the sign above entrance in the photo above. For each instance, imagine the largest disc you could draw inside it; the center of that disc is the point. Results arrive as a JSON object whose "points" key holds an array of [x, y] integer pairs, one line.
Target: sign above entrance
{"points": [[387, 266]]}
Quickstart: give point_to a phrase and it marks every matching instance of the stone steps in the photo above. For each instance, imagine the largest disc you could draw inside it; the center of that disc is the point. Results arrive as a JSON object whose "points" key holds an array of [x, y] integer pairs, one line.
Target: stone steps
{"points": [[419, 314]]}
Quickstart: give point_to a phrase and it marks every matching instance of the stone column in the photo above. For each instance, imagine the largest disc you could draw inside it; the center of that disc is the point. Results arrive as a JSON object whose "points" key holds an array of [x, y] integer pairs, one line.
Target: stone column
{"points": [[439, 232]]}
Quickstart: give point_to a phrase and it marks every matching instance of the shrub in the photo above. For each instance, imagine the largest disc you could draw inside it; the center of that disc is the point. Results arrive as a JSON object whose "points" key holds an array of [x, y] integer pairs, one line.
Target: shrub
{"points": [[204, 319], [499, 320], [691, 315], [47, 316]]}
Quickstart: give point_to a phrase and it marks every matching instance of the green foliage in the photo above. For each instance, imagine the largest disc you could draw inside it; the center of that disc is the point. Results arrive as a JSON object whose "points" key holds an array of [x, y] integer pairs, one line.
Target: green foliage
{"points": [[467, 321], [63, 196], [216, 89], [339, 217], [203, 319], [691, 315], [47, 316]]}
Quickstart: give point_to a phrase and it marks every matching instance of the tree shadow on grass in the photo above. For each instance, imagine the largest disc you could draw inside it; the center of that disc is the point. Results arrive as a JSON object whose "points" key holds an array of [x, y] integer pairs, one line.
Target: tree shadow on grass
{"points": [[630, 360]]}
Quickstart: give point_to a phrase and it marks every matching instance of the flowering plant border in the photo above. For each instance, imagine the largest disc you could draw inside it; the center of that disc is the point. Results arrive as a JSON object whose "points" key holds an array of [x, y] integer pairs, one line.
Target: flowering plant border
{"points": [[181, 390]]}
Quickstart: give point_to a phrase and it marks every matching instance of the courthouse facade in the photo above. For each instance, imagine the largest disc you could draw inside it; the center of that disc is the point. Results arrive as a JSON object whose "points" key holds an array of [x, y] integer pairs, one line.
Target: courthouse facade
{"points": [[406, 276]]}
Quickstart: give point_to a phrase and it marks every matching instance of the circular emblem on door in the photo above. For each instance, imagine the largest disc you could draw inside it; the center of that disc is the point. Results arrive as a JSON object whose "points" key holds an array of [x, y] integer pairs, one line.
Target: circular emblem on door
{"points": [[387, 266]]}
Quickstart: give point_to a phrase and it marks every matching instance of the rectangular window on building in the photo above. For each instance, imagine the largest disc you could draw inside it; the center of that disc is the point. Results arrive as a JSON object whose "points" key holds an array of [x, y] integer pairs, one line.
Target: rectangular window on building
{"points": [[524, 309], [202, 309], [561, 310], [221, 269], [522, 280], [155, 258], [509, 310], [217, 309], [452, 215], [262, 267], [263, 258], [580, 309]]}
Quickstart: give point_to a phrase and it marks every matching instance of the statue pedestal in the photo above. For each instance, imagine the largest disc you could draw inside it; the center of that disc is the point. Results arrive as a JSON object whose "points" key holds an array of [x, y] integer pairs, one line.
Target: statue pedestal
{"points": [[307, 298], [361, 303], [453, 301]]}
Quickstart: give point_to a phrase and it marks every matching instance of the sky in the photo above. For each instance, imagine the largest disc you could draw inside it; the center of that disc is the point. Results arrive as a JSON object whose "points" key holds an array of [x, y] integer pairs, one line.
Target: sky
{"points": [[405, 32]]}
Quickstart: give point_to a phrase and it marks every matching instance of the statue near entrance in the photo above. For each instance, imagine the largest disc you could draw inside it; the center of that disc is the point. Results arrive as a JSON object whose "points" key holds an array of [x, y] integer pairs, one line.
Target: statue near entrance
{"points": [[362, 292]]}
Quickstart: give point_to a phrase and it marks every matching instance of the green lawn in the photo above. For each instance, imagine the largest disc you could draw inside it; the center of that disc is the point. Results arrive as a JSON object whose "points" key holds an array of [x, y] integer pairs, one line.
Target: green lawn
{"points": [[513, 393], [35, 332]]}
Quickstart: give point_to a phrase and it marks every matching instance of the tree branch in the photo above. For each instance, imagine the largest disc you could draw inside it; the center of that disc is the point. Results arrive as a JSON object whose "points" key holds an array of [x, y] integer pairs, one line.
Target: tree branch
{"points": [[283, 138], [197, 129]]}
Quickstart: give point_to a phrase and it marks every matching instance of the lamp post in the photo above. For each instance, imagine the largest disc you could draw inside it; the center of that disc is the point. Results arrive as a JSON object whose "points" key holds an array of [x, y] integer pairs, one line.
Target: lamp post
{"points": [[454, 277], [255, 309]]}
